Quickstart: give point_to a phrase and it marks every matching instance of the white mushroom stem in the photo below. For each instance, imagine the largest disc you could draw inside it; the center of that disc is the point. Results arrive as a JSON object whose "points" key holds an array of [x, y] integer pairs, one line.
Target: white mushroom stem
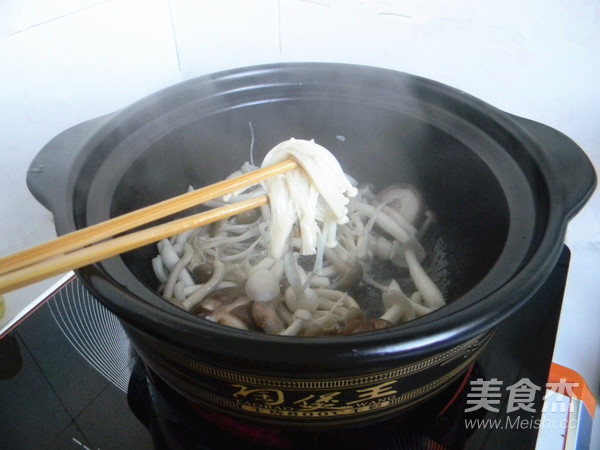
{"points": [[361, 239], [334, 309], [395, 250], [284, 313], [394, 314], [429, 219], [329, 308], [340, 265], [159, 269], [242, 254], [167, 253], [211, 304], [398, 253], [170, 259], [174, 275], [301, 318], [386, 223], [319, 252], [335, 295], [328, 271], [223, 314], [398, 306], [419, 309], [319, 282], [347, 275], [297, 296], [308, 301], [431, 294], [277, 268], [228, 240], [291, 271], [181, 291], [182, 238], [343, 253]]}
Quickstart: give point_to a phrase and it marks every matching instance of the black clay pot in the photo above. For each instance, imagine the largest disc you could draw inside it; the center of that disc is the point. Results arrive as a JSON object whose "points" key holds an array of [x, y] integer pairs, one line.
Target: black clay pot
{"points": [[503, 189]]}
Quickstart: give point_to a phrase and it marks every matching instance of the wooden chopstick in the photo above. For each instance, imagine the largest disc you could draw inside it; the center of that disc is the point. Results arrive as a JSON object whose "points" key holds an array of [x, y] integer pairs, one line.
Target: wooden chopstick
{"points": [[104, 230], [88, 255]]}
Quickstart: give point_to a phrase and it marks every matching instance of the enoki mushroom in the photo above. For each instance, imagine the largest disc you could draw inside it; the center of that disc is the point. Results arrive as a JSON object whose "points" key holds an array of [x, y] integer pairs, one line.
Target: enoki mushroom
{"points": [[293, 267]]}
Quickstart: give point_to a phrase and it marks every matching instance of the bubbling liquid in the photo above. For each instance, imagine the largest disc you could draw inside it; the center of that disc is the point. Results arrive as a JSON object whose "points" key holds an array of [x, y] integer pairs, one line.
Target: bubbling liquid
{"points": [[327, 256]]}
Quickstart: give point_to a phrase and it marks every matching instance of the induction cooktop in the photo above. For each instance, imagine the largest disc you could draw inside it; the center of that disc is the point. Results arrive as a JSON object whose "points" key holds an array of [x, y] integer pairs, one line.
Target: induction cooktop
{"points": [[69, 379]]}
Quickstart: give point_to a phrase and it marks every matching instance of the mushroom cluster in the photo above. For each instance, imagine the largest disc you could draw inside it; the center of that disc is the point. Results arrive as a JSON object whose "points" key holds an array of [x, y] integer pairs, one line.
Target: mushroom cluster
{"points": [[244, 272]]}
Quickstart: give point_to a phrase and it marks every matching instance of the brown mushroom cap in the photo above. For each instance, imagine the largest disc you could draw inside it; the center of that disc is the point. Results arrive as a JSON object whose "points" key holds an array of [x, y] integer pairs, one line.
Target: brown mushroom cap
{"points": [[405, 199]]}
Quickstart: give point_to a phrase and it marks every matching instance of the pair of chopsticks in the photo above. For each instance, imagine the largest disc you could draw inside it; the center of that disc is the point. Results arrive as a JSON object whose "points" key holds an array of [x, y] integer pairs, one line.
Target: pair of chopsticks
{"points": [[97, 242]]}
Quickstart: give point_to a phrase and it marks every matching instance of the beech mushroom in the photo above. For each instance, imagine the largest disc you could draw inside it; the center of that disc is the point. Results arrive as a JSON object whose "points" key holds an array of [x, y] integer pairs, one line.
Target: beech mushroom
{"points": [[266, 317], [262, 285], [398, 252], [309, 300], [208, 287], [170, 259], [397, 304], [284, 313], [432, 296], [298, 295], [334, 312], [430, 218], [177, 269], [226, 314], [351, 235], [384, 221], [159, 269], [350, 274], [404, 199], [202, 272], [301, 319], [420, 310], [181, 291]]}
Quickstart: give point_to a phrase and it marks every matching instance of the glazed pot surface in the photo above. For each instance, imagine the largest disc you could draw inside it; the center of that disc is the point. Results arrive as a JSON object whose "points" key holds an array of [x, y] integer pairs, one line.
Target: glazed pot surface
{"points": [[503, 189]]}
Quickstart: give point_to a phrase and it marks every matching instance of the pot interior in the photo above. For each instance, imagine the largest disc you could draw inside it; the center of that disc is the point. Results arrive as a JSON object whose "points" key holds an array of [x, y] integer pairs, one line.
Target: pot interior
{"points": [[461, 172]]}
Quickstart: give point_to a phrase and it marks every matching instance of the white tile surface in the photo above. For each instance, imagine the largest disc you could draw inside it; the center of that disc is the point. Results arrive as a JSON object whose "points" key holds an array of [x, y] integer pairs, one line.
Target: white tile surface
{"points": [[348, 33], [213, 36], [21, 15], [79, 66]]}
